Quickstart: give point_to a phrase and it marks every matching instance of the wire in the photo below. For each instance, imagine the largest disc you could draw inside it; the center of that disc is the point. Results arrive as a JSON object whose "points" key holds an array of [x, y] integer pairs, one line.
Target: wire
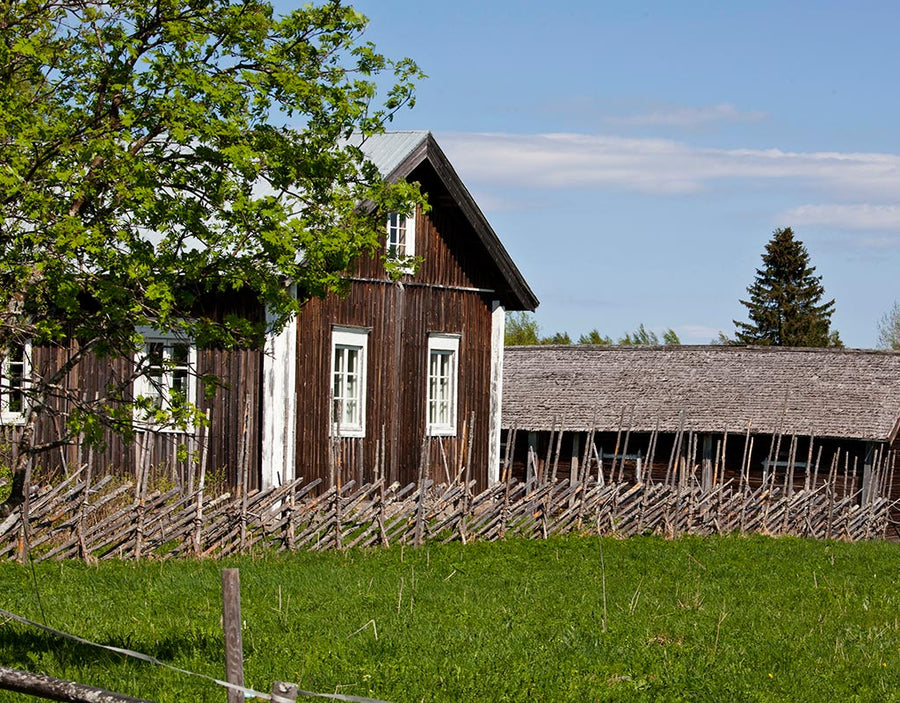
{"points": [[247, 692]]}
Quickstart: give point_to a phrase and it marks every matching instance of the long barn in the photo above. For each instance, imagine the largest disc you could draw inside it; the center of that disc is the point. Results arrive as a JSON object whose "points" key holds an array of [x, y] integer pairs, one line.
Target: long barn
{"points": [[754, 410]]}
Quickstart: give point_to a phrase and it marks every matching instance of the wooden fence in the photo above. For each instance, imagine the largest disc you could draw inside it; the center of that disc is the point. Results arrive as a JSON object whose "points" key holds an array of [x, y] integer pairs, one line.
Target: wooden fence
{"points": [[115, 519]]}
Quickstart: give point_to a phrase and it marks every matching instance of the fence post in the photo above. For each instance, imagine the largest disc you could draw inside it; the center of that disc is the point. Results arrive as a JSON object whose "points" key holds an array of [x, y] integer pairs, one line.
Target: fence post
{"points": [[231, 622]]}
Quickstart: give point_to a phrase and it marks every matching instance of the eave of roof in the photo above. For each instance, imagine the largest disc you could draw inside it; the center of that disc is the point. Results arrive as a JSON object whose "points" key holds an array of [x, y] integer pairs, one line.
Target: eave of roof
{"points": [[398, 154]]}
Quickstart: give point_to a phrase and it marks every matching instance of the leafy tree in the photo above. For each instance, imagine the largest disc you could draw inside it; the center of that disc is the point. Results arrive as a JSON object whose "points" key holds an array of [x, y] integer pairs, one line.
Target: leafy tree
{"points": [[670, 337], [889, 329], [643, 336], [785, 304], [521, 329], [594, 337], [723, 339], [557, 338], [221, 128]]}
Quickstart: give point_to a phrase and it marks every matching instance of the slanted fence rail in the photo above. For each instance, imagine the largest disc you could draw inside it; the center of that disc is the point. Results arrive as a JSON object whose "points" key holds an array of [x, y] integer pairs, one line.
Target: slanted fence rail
{"points": [[126, 520]]}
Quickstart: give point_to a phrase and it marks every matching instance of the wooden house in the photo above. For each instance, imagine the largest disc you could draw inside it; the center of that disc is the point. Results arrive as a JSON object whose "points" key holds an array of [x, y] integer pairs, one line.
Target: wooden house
{"points": [[755, 410], [400, 373]]}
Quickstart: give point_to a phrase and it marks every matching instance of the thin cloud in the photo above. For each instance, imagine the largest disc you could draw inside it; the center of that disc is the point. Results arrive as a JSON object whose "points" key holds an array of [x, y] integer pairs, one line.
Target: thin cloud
{"points": [[688, 116], [852, 217], [697, 332], [660, 166]]}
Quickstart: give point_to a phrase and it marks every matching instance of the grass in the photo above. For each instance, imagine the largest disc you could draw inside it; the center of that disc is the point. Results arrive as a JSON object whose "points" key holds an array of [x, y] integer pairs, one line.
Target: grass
{"points": [[696, 619]]}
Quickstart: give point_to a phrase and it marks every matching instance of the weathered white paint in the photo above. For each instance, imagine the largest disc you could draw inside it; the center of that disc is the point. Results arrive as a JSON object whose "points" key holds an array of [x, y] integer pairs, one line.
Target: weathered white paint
{"points": [[498, 334], [279, 406]]}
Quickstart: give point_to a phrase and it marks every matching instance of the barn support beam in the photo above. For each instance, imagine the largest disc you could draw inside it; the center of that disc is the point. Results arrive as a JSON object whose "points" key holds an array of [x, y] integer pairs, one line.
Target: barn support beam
{"points": [[498, 337]]}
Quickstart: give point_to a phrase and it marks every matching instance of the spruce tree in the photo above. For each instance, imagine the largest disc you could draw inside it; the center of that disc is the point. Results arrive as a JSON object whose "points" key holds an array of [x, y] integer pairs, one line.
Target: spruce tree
{"points": [[785, 304]]}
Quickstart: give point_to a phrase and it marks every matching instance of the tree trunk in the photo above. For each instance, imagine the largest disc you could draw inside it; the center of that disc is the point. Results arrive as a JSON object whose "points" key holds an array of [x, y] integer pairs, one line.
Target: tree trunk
{"points": [[21, 478]]}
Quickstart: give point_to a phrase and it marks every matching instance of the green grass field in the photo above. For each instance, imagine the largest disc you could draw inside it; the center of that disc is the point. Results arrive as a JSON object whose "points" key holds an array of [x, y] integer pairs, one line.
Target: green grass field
{"points": [[697, 619]]}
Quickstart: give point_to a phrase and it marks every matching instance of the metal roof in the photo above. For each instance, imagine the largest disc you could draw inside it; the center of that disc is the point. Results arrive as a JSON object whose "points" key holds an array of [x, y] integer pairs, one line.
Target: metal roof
{"points": [[389, 150], [826, 392]]}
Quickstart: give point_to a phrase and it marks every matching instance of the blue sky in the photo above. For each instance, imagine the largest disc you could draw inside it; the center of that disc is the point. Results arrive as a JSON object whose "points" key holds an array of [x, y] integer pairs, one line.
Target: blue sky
{"points": [[635, 157]]}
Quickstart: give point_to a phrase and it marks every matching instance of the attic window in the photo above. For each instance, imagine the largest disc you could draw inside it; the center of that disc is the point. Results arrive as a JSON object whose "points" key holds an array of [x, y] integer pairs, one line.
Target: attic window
{"points": [[401, 237]]}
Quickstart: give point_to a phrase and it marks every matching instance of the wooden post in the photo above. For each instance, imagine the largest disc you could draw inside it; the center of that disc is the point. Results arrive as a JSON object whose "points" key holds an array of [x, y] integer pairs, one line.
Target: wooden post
{"points": [[531, 465], [573, 464], [231, 622], [545, 476], [809, 456], [83, 551], [424, 457], [559, 437], [198, 515], [721, 478], [651, 452], [625, 448], [676, 449]]}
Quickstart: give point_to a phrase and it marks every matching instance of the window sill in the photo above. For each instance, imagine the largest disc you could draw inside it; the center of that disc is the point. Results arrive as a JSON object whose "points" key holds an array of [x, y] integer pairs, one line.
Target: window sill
{"points": [[348, 434], [441, 432]]}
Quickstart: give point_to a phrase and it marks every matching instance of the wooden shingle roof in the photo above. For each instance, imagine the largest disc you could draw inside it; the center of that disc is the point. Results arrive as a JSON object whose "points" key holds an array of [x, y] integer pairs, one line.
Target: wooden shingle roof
{"points": [[826, 392]]}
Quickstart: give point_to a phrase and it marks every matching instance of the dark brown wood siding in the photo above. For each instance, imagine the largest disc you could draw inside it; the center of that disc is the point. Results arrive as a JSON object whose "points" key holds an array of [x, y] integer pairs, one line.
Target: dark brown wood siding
{"points": [[449, 293], [233, 405], [399, 320], [450, 252]]}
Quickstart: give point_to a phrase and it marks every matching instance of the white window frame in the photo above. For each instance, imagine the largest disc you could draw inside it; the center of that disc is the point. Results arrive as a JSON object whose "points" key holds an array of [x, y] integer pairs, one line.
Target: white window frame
{"points": [[443, 388], [396, 223], [14, 416], [347, 341], [169, 372]]}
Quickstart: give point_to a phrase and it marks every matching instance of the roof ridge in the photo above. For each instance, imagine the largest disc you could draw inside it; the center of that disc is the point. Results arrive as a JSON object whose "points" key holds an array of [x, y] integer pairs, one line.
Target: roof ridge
{"points": [[724, 348]]}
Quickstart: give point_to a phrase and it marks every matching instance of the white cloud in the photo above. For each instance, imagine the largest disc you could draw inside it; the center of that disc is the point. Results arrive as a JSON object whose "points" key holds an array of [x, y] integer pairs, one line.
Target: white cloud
{"points": [[688, 116], [693, 334], [863, 216], [660, 165], [697, 331]]}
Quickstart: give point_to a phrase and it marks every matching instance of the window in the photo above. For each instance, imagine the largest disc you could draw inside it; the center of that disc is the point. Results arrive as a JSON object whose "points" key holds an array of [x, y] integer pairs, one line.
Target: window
{"points": [[14, 373], [401, 237], [348, 382], [165, 383], [443, 353]]}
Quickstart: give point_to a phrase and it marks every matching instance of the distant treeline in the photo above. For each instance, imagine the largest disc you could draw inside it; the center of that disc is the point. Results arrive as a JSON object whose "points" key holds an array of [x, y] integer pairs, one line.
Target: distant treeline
{"points": [[523, 329]]}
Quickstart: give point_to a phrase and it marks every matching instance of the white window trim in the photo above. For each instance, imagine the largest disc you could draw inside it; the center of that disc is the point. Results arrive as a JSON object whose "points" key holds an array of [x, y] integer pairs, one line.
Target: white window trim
{"points": [[406, 259], [442, 343], [7, 416], [142, 383], [349, 338]]}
